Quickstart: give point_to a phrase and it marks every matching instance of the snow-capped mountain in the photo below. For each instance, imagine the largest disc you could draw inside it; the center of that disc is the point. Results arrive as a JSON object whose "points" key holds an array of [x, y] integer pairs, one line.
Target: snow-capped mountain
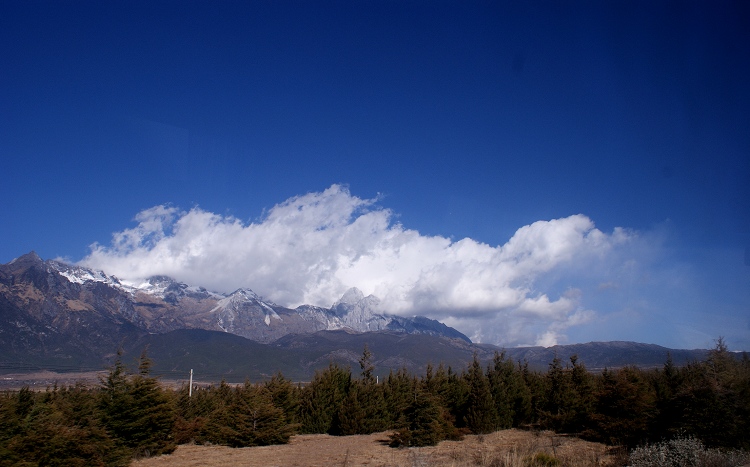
{"points": [[69, 318], [62, 300], [356, 311], [76, 274]]}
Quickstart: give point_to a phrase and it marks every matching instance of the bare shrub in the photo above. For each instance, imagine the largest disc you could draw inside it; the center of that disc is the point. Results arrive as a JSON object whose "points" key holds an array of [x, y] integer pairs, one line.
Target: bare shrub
{"points": [[541, 459], [724, 458], [510, 459], [417, 459], [685, 452]]}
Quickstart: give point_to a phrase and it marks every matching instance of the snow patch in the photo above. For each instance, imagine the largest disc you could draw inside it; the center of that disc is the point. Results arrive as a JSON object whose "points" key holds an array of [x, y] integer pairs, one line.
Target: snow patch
{"points": [[271, 310]]}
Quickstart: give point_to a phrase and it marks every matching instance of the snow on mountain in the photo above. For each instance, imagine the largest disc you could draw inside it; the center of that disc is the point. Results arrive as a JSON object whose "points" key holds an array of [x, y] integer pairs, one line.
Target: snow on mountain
{"points": [[353, 310], [158, 286], [360, 313], [327, 320], [81, 275], [242, 301], [163, 287], [161, 304], [238, 298], [350, 298]]}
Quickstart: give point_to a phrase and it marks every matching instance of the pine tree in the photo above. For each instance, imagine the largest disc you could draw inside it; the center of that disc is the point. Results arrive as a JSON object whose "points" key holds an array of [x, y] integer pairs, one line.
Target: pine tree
{"points": [[398, 389], [583, 403], [481, 415], [522, 398], [270, 424], [373, 401], [509, 391], [226, 418], [248, 418], [437, 383], [285, 396], [441, 387], [25, 402], [191, 413], [500, 377], [665, 384], [321, 400], [625, 407], [153, 414], [116, 402], [456, 396], [569, 397], [10, 426], [351, 416], [364, 410], [136, 411], [714, 399], [62, 428], [536, 384], [560, 401], [424, 422], [365, 363]]}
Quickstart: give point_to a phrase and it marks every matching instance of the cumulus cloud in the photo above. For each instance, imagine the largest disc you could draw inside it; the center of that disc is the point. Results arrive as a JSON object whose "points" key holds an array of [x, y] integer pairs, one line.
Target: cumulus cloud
{"points": [[312, 248]]}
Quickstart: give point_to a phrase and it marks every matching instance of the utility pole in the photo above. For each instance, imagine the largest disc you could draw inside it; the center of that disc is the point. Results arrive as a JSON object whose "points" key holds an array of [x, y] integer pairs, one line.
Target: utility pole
{"points": [[190, 392]]}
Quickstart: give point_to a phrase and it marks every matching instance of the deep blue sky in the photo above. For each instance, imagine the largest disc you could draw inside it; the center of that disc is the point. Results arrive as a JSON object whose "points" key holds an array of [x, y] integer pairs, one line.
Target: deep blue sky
{"points": [[469, 119]]}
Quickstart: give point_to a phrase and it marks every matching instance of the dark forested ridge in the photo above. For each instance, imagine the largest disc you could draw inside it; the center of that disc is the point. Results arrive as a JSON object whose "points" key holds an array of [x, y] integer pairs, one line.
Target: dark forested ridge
{"points": [[218, 355], [129, 415]]}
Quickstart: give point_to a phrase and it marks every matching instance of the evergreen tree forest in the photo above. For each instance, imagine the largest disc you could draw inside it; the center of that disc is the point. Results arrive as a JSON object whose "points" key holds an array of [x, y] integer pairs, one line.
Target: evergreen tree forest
{"points": [[130, 415]]}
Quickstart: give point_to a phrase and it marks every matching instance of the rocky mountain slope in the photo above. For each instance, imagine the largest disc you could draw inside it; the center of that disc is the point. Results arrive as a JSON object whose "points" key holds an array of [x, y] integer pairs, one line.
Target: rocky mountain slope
{"points": [[50, 309], [67, 318]]}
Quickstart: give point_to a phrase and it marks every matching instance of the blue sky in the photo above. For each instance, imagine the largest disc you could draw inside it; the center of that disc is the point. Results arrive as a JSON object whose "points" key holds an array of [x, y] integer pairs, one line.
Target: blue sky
{"points": [[594, 155]]}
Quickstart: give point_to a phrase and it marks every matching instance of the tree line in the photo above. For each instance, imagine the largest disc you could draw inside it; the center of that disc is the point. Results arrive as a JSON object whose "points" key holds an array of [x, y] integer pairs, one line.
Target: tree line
{"points": [[129, 415]]}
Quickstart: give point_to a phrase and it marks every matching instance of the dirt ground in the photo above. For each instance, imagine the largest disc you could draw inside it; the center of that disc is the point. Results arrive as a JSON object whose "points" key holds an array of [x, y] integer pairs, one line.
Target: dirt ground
{"points": [[504, 448]]}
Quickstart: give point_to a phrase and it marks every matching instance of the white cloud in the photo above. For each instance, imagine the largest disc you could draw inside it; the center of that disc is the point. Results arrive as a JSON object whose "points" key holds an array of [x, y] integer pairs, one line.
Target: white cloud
{"points": [[312, 248]]}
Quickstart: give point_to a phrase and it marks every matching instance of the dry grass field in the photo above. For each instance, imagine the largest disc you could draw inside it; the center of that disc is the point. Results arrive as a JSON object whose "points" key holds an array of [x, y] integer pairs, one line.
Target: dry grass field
{"points": [[507, 448], [43, 379]]}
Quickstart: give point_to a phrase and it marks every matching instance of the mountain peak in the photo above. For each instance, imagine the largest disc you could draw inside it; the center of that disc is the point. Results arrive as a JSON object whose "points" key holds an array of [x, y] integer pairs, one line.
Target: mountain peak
{"points": [[160, 279], [29, 258], [350, 297], [245, 294], [32, 256]]}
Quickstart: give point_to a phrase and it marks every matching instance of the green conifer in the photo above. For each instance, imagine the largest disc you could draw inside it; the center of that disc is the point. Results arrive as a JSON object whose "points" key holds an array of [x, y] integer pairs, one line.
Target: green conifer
{"points": [[425, 423], [135, 411], [398, 390], [625, 407], [285, 396], [321, 400], [480, 416]]}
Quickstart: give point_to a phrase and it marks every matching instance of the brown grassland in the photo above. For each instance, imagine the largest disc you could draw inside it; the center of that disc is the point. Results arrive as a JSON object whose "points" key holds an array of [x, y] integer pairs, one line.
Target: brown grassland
{"points": [[506, 448]]}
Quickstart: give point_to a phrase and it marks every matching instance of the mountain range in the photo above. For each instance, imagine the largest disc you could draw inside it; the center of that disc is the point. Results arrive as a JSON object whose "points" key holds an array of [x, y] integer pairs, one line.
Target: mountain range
{"points": [[66, 317]]}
